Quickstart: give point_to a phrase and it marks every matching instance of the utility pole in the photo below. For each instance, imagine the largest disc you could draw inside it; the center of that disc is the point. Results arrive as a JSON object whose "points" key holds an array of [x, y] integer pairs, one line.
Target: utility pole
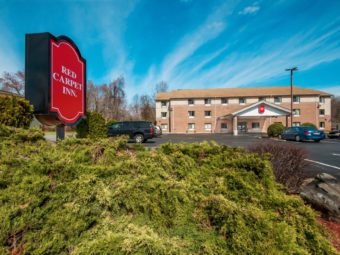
{"points": [[291, 70]]}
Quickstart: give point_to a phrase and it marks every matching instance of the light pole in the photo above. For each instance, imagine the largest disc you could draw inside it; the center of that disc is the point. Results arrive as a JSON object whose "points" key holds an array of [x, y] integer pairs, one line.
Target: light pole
{"points": [[291, 92]]}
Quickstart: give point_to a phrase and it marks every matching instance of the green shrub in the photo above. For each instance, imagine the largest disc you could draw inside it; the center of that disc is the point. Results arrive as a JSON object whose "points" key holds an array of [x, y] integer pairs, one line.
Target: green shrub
{"points": [[20, 135], [275, 129], [308, 124], [82, 129], [15, 112], [93, 126], [85, 196]]}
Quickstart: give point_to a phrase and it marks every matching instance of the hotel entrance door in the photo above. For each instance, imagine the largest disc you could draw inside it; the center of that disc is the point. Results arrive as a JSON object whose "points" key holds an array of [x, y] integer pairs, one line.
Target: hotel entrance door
{"points": [[242, 127]]}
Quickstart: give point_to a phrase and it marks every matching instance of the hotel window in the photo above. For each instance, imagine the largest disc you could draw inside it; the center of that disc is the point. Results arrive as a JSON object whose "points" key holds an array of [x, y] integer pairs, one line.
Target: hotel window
{"points": [[322, 124], [321, 100], [207, 126], [296, 99], [207, 101], [242, 100], [296, 112], [224, 100], [164, 126], [224, 125], [191, 102], [255, 125], [296, 124], [207, 114], [277, 100], [321, 111], [163, 103], [262, 99], [163, 114], [191, 114], [191, 126]]}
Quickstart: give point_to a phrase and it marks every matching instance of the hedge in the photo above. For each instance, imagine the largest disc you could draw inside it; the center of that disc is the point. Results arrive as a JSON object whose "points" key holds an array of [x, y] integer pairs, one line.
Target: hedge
{"points": [[15, 112], [85, 196], [275, 129], [93, 126], [308, 124]]}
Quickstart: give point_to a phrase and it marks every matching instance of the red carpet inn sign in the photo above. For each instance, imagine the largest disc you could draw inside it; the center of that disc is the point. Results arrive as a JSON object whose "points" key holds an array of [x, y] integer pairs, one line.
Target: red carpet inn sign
{"points": [[55, 80]]}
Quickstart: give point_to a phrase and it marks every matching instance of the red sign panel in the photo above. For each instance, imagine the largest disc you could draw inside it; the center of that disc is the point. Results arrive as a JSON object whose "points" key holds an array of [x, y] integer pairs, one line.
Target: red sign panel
{"points": [[67, 82], [261, 108]]}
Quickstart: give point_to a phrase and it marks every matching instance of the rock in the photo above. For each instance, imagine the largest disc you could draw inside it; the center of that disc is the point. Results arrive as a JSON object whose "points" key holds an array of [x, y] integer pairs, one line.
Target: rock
{"points": [[323, 193]]}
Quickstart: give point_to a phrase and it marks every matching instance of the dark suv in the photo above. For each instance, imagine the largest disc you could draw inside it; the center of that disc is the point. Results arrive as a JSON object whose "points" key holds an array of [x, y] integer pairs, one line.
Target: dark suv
{"points": [[140, 131]]}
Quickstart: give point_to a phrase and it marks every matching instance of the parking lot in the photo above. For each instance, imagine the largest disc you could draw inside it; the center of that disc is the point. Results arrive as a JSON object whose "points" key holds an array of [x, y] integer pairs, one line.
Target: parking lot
{"points": [[323, 156]]}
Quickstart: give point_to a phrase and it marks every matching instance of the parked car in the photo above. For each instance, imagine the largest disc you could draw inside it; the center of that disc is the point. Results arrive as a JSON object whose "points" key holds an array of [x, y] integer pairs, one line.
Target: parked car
{"points": [[303, 133], [139, 131], [334, 134], [158, 131]]}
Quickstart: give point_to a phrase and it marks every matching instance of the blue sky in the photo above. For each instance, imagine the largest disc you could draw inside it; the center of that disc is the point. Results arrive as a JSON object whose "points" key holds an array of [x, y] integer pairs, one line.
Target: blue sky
{"points": [[187, 43]]}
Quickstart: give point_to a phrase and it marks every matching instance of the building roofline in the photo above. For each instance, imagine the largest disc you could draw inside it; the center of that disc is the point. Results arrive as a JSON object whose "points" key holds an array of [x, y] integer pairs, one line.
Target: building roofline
{"points": [[238, 92]]}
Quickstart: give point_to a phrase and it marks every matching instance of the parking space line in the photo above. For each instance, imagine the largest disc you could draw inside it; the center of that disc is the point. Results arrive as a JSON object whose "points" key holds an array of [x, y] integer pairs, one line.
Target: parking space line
{"points": [[323, 164], [335, 154]]}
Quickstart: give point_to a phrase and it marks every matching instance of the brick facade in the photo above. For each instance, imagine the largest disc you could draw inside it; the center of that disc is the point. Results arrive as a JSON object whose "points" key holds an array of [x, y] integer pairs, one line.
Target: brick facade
{"points": [[174, 107]]}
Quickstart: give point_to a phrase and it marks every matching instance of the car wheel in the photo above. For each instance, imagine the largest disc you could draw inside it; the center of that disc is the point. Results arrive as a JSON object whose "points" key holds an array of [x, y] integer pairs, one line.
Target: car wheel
{"points": [[139, 138], [297, 138]]}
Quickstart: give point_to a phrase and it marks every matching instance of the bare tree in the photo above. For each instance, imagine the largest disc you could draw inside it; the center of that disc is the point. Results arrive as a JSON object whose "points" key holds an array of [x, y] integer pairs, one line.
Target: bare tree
{"points": [[161, 86], [336, 110], [135, 108], [13, 82], [92, 97], [147, 108]]}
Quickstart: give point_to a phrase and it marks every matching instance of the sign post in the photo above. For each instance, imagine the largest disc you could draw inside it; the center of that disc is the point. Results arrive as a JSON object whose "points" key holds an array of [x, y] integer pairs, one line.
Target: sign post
{"points": [[55, 80]]}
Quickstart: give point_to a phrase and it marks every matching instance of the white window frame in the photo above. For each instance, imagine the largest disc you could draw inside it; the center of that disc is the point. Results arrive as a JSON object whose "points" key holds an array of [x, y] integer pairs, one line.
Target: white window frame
{"points": [[322, 100], [164, 117], [324, 112], [296, 114], [296, 124], [244, 100], [193, 126], [205, 127], [298, 101], [207, 116], [191, 100], [207, 99], [162, 102], [280, 100], [262, 99], [225, 99], [225, 127], [323, 125], [255, 127], [164, 126], [191, 116]]}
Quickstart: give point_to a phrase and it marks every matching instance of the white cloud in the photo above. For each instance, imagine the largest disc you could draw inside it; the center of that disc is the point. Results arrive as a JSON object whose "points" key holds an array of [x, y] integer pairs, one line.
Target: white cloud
{"points": [[265, 61], [251, 9], [334, 90], [213, 26], [9, 59]]}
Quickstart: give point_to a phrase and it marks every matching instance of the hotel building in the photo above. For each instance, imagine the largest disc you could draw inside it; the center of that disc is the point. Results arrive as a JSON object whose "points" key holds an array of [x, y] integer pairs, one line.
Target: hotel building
{"points": [[240, 110]]}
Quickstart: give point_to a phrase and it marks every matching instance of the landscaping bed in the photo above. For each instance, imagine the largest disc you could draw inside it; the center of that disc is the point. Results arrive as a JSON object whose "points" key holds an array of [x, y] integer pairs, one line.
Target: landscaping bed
{"points": [[81, 196]]}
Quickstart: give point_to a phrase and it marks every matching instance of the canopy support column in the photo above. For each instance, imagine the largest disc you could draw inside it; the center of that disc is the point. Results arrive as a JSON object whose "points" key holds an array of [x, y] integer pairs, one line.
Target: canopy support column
{"points": [[235, 125]]}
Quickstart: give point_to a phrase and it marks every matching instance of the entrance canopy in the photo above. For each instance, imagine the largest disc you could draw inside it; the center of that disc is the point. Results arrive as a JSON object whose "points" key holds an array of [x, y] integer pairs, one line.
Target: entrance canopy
{"points": [[257, 110]]}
